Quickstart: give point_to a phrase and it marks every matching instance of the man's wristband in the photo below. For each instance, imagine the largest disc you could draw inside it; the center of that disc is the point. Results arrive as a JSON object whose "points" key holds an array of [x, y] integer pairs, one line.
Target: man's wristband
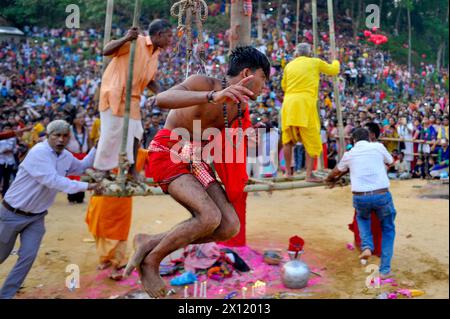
{"points": [[210, 97]]}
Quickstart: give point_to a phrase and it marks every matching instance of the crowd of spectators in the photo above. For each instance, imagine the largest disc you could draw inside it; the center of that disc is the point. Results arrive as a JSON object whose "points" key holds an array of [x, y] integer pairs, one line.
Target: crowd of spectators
{"points": [[56, 74]]}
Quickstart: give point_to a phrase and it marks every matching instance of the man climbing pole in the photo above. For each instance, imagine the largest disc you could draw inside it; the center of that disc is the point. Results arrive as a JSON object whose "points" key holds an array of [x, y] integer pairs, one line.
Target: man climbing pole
{"points": [[112, 92]]}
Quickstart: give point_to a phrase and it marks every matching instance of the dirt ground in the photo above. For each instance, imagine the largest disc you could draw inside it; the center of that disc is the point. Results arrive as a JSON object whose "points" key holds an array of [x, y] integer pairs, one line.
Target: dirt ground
{"points": [[318, 215]]}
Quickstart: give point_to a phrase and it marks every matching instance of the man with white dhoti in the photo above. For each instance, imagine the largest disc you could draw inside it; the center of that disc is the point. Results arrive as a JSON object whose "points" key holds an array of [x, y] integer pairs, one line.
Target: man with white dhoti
{"points": [[113, 91]]}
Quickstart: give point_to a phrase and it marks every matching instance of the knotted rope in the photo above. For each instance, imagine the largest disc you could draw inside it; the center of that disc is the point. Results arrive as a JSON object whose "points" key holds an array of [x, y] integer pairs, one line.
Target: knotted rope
{"points": [[189, 9]]}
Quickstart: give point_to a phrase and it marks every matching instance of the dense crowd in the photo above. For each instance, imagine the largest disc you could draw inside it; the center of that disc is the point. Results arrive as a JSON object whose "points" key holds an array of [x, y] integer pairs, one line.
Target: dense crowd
{"points": [[56, 73]]}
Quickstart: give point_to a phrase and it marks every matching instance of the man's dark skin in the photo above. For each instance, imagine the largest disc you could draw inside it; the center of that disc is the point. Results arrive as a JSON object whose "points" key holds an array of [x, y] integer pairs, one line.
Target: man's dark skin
{"points": [[213, 216]]}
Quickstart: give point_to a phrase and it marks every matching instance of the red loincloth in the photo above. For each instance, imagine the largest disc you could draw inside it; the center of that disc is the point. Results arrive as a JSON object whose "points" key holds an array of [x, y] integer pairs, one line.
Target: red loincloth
{"points": [[163, 169]]}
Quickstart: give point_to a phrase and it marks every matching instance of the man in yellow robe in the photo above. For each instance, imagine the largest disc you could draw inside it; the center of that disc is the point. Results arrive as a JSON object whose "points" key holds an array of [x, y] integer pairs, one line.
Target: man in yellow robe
{"points": [[109, 221], [299, 118]]}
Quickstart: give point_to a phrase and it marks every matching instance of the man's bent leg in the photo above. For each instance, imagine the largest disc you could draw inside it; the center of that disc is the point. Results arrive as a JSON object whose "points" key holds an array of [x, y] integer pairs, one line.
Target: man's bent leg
{"points": [[229, 224], [228, 228], [187, 190], [30, 241]]}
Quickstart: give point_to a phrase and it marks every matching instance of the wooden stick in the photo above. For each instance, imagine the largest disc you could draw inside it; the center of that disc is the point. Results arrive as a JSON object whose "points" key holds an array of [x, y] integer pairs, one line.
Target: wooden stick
{"points": [[247, 189], [396, 139], [393, 139], [314, 26], [108, 25], [315, 53], [260, 181], [297, 26], [335, 83], [126, 119]]}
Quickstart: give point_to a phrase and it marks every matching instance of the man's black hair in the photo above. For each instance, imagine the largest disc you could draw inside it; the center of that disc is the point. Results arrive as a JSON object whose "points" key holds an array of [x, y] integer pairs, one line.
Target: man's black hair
{"points": [[374, 128], [158, 25], [360, 134], [248, 57]]}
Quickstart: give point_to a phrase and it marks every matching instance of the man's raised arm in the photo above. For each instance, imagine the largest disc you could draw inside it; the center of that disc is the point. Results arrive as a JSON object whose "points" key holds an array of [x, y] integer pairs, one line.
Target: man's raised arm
{"points": [[112, 47], [329, 69], [198, 89]]}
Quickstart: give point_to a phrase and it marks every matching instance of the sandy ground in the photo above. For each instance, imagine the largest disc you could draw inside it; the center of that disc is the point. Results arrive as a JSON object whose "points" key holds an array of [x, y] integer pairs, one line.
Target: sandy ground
{"points": [[319, 216]]}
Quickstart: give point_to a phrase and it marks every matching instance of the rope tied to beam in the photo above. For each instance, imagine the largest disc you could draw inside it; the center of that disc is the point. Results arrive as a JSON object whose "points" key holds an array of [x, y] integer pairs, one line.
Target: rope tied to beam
{"points": [[189, 10]]}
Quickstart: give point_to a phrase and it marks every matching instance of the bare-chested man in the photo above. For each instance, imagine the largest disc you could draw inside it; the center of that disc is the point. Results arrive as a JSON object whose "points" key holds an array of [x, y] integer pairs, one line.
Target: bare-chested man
{"points": [[213, 216]]}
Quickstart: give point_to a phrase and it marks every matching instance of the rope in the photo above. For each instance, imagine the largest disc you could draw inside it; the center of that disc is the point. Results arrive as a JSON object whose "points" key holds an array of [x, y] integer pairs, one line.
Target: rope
{"points": [[197, 10]]}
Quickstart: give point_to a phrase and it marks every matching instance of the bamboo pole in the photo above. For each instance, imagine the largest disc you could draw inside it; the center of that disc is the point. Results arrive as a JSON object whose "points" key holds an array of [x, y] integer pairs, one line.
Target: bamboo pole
{"points": [[314, 26], [315, 43], [123, 171], [260, 24], [335, 83], [297, 26], [247, 189], [108, 27], [395, 139]]}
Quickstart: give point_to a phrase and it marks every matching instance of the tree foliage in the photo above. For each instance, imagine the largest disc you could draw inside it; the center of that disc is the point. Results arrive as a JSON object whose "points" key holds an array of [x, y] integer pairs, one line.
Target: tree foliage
{"points": [[429, 18]]}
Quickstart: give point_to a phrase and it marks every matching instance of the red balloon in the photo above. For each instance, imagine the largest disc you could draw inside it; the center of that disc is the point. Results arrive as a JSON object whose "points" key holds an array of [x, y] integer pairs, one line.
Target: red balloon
{"points": [[424, 56], [367, 33], [424, 73], [374, 29], [378, 41]]}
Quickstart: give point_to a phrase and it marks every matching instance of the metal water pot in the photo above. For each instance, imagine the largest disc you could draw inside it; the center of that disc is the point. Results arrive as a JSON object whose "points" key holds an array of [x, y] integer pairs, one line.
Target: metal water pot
{"points": [[295, 273]]}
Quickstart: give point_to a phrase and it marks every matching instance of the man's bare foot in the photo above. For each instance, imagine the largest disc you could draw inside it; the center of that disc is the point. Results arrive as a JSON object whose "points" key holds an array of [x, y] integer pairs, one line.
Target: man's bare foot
{"points": [[314, 179], [365, 255], [104, 265], [288, 176], [142, 244], [151, 281], [116, 274]]}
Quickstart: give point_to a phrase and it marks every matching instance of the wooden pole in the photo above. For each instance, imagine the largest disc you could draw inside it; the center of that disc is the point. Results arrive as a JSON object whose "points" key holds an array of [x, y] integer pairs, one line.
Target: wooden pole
{"points": [[108, 26], [315, 53], [123, 171], [240, 25], [335, 83], [314, 26], [248, 189], [260, 24], [297, 27]]}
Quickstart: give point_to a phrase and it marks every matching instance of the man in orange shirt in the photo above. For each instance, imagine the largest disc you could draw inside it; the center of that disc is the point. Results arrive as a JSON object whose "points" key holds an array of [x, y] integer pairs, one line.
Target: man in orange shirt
{"points": [[112, 91]]}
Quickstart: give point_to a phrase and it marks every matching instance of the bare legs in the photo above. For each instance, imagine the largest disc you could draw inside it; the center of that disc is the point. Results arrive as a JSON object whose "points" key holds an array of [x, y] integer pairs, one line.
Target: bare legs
{"points": [[287, 150], [213, 219], [310, 177]]}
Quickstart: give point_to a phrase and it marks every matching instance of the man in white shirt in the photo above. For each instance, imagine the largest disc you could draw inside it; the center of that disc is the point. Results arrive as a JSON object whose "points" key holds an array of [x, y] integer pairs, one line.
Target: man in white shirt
{"points": [[41, 176], [370, 186]]}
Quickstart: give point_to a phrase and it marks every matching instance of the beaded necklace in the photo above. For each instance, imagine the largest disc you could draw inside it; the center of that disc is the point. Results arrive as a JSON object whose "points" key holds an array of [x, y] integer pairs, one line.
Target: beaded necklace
{"points": [[225, 119], [225, 112]]}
